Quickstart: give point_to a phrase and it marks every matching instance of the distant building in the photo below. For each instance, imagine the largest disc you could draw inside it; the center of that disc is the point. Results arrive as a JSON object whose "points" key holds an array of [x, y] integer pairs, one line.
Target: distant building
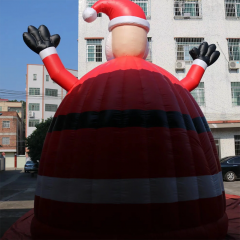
{"points": [[11, 136], [7, 106], [43, 95]]}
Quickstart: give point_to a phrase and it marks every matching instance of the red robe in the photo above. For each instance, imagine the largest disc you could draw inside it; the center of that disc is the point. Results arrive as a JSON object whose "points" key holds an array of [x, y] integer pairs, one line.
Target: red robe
{"points": [[129, 155]]}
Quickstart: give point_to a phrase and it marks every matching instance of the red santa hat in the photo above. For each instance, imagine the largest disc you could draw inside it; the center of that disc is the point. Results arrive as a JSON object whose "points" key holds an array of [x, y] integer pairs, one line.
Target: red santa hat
{"points": [[120, 12]]}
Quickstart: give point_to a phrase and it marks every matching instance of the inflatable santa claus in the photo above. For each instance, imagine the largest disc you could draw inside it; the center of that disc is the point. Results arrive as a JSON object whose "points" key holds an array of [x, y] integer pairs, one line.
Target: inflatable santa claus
{"points": [[129, 154]]}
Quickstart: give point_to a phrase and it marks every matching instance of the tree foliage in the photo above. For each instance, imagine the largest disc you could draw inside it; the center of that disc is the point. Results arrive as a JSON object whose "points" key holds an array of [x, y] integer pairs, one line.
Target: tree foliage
{"points": [[34, 142]]}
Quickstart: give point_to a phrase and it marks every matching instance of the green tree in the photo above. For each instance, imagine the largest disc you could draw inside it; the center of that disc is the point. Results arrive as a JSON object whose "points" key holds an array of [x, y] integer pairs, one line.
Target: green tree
{"points": [[34, 142]]}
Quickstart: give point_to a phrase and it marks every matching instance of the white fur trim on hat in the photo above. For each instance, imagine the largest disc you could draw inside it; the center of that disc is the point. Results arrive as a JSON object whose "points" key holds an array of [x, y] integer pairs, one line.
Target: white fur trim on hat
{"points": [[89, 15], [129, 20]]}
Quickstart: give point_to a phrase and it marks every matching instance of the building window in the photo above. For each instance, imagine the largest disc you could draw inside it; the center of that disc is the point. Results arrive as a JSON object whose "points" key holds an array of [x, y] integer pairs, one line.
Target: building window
{"points": [[237, 144], [149, 57], [14, 109], [34, 77], [234, 49], [232, 8], [34, 107], [145, 5], [51, 92], [90, 3], [47, 78], [184, 45], [0, 108], [6, 124], [5, 141], [217, 143], [235, 88], [187, 8], [199, 94], [51, 107], [33, 122], [94, 50], [34, 91]]}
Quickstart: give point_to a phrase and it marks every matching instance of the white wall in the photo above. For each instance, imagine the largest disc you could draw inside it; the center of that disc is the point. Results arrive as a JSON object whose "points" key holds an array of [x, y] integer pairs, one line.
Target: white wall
{"points": [[226, 136]]}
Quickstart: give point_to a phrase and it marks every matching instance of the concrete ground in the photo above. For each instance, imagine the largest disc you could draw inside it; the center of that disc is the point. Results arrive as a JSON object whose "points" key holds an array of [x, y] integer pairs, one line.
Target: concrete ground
{"points": [[17, 191]]}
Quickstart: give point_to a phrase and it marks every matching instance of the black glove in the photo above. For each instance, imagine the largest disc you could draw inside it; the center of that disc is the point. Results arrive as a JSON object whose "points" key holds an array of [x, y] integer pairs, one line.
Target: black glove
{"points": [[205, 53], [40, 39]]}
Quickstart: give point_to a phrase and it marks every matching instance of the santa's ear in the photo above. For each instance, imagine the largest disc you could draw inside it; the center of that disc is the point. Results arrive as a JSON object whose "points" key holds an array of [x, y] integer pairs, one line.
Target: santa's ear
{"points": [[108, 47], [146, 51]]}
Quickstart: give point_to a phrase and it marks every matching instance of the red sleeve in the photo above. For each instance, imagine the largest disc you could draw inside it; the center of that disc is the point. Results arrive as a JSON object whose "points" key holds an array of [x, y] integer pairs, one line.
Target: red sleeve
{"points": [[194, 76], [56, 70]]}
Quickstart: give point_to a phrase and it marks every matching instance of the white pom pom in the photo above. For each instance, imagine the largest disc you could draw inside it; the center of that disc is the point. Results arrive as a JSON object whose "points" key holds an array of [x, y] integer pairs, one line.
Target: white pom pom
{"points": [[89, 14]]}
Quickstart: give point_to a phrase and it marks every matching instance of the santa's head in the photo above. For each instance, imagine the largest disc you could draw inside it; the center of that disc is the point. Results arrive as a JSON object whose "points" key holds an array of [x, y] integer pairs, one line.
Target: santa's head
{"points": [[128, 27]]}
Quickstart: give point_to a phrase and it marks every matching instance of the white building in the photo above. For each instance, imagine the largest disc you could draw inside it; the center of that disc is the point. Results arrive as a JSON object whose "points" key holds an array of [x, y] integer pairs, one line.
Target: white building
{"points": [[176, 27], [43, 95]]}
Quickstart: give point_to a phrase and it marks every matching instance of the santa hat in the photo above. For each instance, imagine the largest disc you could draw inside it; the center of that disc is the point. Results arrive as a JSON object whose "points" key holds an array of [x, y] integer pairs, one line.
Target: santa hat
{"points": [[120, 12]]}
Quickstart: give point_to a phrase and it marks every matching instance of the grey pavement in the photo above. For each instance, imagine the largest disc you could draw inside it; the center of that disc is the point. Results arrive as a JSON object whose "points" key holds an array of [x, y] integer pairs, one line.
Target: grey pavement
{"points": [[232, 188], [17, 190]]}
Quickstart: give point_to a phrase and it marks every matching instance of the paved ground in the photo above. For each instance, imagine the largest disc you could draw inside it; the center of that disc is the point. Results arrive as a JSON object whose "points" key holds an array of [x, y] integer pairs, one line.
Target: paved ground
{"points": [[232, 187], [17, 191]]}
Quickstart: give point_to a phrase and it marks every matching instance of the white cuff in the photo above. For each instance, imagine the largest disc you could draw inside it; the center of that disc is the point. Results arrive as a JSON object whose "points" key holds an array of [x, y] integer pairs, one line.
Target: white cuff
{"points": [[48, 51], [200, 63]]}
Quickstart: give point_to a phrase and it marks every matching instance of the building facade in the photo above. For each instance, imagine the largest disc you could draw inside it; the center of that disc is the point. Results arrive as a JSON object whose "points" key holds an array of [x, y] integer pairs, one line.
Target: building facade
{"points": [[11, 136], [7, 106], [176, 26], [43, 95]]}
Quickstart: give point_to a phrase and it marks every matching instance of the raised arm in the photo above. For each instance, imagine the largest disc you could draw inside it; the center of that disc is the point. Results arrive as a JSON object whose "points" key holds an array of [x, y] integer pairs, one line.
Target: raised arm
{"points": [[203, 57], [40, 41]]}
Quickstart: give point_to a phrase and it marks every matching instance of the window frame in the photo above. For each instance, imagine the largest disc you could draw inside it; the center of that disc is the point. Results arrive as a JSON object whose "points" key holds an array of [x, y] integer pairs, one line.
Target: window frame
{"points": [[233, 92], [89, 3], [49, 107], [34, 90], [179, 4], [234, 55], [236, 6], [5, 124], [34, 77], [217, 142], [237, 144], [5, 138], [187, 44], [47, 78], [34, 104], [94, 43], [50, 92], [35, 121], [148, 5], [199, 93]]}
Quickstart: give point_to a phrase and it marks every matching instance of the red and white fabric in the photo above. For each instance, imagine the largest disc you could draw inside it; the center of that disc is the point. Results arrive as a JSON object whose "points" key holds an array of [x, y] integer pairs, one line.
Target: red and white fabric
{"points": [[134, 182], [194, 75], [121, 12], [56, 70]]}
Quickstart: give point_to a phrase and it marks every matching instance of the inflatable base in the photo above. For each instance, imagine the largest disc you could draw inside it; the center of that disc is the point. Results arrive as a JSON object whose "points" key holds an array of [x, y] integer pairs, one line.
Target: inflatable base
{"points": [[21, 229]]}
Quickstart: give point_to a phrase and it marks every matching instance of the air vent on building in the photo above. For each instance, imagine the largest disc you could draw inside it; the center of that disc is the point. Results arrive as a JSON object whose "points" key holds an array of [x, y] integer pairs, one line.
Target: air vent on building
{"points": [[180, 65], [186, 15], [233, 65], [31, 114]]}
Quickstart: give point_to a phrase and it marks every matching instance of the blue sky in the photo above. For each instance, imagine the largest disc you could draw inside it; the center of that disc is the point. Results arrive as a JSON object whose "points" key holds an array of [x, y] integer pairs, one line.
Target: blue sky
{"points": [[60, 16]]}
